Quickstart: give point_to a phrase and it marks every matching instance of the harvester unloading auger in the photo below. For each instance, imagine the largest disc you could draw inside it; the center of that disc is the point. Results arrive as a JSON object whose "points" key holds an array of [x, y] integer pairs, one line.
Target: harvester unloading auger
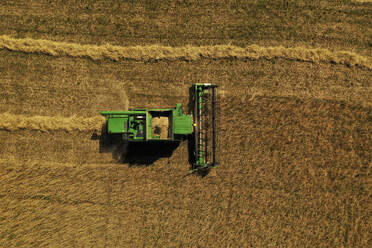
{"points": [[173, 125]]}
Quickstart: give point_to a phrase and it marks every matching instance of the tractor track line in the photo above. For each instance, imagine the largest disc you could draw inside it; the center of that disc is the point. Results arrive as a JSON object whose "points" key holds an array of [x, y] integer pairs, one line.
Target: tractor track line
{"points": [[190, 53], [11, 122]]}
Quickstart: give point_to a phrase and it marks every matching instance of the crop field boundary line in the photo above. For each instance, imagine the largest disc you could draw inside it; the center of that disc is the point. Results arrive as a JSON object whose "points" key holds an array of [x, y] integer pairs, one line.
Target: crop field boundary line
{"points": [[189, 53]]}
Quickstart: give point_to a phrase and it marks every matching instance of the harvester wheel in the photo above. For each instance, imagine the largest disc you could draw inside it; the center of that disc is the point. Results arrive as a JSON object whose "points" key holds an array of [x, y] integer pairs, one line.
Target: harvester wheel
{"points": [[124, 137], [104, 141], [125, 140]]}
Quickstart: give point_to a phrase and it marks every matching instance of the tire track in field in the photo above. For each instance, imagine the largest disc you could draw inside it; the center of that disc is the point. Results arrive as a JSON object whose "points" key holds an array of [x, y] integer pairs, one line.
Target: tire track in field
{"points": [[11, 122], [158, 52]]}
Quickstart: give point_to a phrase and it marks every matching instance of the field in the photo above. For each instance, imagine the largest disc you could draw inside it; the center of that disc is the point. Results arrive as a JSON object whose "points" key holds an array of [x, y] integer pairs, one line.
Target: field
{"points": [[295, 81]]}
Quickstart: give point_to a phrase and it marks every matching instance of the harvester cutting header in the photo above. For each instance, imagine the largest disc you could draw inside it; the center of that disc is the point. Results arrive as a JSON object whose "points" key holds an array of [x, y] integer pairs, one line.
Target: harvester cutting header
{"points": [[174, 125]]}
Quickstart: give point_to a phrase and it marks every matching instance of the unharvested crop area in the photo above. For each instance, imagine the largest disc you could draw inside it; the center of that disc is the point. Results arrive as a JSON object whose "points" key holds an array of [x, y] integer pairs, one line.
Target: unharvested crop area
{"points": [[295, 123]]}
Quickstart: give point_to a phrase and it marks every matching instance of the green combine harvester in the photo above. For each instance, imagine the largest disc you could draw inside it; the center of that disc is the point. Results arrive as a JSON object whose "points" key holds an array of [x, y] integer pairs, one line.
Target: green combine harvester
{"points": [[174, 125]]}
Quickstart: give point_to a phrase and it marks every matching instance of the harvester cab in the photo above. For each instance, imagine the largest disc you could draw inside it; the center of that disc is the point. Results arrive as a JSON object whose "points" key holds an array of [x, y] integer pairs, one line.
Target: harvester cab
{"points": [[173, 125]]}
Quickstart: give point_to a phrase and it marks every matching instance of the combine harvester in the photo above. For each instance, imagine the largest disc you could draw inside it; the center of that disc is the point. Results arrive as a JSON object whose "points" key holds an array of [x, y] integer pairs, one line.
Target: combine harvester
{"points": [[173, 125]]}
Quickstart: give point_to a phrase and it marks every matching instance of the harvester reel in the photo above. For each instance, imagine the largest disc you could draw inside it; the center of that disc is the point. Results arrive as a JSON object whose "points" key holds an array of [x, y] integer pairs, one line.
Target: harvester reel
{"points": [[205, 107]]}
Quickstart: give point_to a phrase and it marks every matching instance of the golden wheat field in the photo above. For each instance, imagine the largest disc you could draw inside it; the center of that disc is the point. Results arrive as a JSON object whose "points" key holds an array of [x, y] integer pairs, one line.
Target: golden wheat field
{"points": [[295, 85]]}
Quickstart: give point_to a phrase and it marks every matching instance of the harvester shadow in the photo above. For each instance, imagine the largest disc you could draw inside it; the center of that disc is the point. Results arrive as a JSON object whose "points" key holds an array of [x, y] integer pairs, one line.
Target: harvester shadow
{"points": [[133, 153], [138, 154]]}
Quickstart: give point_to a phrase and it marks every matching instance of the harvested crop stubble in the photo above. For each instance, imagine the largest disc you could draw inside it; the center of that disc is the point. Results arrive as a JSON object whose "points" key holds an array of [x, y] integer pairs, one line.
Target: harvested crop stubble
{"points": [[156, 52], [13, 122]]}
